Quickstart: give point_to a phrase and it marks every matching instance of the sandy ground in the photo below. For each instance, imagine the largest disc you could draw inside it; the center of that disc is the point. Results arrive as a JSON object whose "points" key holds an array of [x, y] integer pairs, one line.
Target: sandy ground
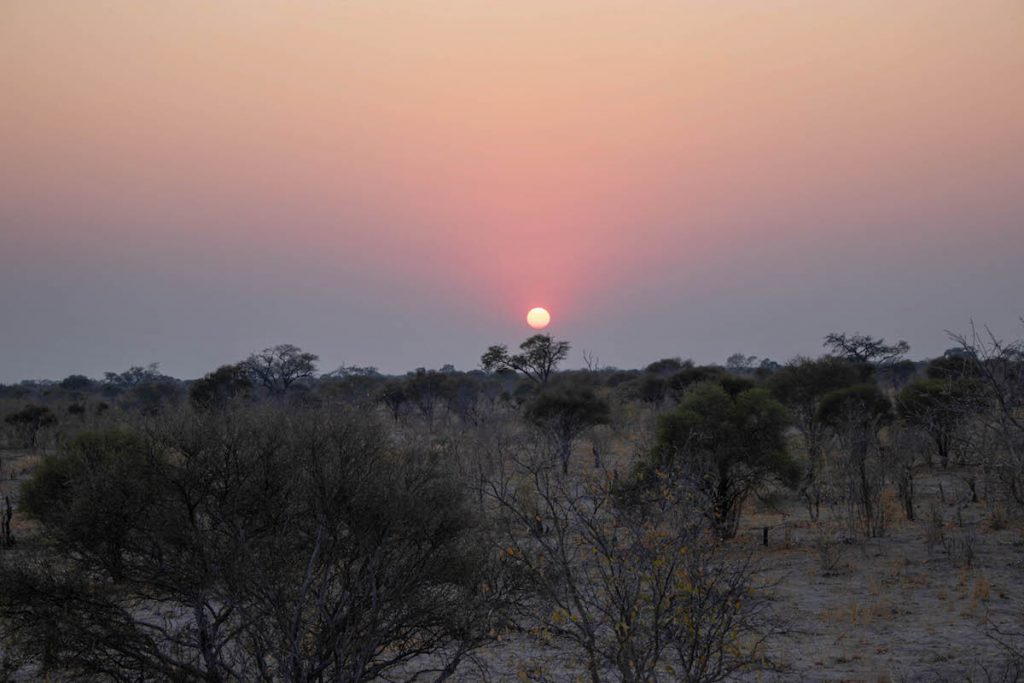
{"points": [[894, 608]]}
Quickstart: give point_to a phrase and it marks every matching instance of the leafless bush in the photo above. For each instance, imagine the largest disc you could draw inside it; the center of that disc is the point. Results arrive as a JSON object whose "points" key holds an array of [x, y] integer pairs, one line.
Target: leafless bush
{"points": [[856, 485], [935, 529], [999, 367], [960, 547], [633, 590], [855, 416], [901, 454], [830, 547]]}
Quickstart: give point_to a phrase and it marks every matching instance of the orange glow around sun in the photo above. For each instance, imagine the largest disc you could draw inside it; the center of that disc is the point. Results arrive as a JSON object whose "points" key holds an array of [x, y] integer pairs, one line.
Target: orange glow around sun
{"points": [[538, 318]]}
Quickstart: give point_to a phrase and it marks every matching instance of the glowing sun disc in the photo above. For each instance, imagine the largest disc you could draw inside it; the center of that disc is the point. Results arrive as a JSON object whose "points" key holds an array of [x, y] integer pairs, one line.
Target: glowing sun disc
{"points": [[538, 318]]}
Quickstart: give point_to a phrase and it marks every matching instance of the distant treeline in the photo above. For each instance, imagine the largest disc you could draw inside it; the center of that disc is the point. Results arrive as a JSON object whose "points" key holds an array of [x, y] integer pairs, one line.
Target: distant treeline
{"points": [[288, 370]]}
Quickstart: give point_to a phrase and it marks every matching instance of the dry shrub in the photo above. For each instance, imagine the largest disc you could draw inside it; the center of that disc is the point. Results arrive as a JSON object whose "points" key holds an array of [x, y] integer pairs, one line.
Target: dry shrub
{"points": [[960, 546], [897, 567], [892, 508], [882, 609], [935, 529], [982, 588], [998, 518], [830, 546]]}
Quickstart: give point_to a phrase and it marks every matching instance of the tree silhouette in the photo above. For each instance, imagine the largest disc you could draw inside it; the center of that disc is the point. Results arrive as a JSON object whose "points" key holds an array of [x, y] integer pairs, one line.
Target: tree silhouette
{"points": [[539, 356], [277, 368]]}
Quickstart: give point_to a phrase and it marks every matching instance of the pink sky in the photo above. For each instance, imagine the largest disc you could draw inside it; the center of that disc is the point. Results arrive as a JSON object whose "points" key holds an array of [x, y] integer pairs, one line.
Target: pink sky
{"points": [[396, 183]]}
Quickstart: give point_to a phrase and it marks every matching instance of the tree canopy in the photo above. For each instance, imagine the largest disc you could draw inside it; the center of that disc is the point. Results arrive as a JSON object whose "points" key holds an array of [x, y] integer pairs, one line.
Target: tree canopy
{"points": [[725, 445], [565, 412], [538, 358], [277, 368], [863, 348]]}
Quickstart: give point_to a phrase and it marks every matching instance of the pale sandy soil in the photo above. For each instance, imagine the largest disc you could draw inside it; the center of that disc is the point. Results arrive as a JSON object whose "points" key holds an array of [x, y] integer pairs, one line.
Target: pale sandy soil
{"points": [[892, 610]]}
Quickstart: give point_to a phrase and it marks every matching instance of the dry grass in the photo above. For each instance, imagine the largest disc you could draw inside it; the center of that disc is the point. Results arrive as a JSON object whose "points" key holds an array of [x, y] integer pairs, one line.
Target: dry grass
{"points": [[904, 602]]}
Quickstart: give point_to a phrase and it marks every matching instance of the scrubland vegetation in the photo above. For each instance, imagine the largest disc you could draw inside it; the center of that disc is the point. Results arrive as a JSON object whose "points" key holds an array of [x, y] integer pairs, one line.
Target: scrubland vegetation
{"points": [[852, 517]]}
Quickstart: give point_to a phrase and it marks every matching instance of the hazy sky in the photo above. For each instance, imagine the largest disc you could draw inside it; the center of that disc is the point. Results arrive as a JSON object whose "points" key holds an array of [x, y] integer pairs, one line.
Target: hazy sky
{"points": [[394, 183]]}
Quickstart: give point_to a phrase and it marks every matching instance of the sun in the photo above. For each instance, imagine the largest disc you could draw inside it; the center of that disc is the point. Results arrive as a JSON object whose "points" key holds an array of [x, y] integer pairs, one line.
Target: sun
{"points": [[538, 318]]}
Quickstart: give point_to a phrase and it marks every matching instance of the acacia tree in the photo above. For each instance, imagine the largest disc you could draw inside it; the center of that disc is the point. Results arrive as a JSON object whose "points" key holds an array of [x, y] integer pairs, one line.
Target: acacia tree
{"points": [[218, 388], [939, 408], [667, 366], [277, 368], [472, 399], [538, 358], [855, 415], [725, 446], [425, 390], [862, 348], [76, 383], [679, 384], [800, 386], [392, 394], [31, 420], [566, 412], [134, 376], [740, 362]]}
